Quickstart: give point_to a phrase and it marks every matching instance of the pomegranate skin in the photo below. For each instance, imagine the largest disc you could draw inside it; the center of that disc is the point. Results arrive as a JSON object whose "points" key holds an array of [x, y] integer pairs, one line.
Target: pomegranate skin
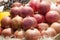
{"points": [[39, 18], [52, 16], [57, 2], [19, 34], [43, 26], [7, 32], [16, 4], [32, 34], [55, 8], [16, 22], [14, 11], [5, 22], [34, 4], [29, 22], [0, 30], [44, 7], [50, 32], [26, 11], [56, 26]]}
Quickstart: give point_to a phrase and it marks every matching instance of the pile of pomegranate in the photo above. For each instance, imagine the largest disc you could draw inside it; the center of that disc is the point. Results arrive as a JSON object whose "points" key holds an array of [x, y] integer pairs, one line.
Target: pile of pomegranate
{"points": [[32, 21]]}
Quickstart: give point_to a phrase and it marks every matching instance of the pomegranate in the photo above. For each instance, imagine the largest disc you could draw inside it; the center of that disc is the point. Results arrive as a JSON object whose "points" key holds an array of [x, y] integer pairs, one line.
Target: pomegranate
{"points": [[59, 21], [39, 18], [26, 11], [5, 22], [55, 8], [29, 22], [0, 30], [16, 22], [34, 4], [59, 8], [52, 16], [56, 26], [14, 11], [7, 32], [16, 4], [44, 7], [43, 26], [57, 2], [19, 34], [32, 34], [50, 32]]}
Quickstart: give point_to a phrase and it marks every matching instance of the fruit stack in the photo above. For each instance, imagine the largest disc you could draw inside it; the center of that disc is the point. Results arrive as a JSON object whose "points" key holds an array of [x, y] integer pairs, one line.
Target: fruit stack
{"points": [[32, 21]]}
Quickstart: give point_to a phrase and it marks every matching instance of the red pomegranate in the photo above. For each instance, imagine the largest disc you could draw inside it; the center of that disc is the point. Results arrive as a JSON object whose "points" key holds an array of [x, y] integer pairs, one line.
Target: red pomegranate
{"points": [[39, 18], [32, 34], [26, 11], [52, 16], [14, 11], [43, 26], [44, 7], [29, 22], [5, 22], [34, 4]]}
